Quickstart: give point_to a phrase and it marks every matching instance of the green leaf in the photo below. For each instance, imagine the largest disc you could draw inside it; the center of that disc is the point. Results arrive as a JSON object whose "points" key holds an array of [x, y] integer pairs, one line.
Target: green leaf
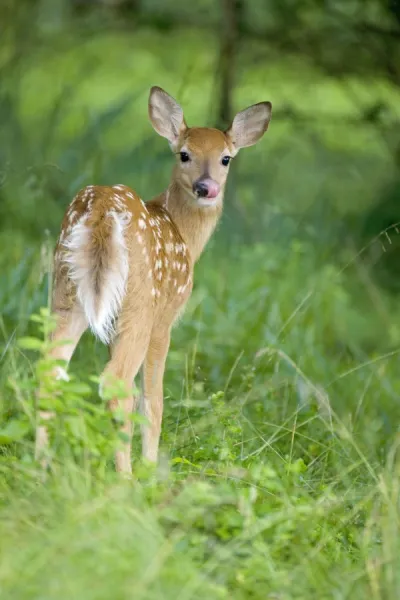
{"points": [[14, 431], [297, 467], [77, 387], [77, 427], [36, 319], [181, 460], [30, 343], [124, 437]]}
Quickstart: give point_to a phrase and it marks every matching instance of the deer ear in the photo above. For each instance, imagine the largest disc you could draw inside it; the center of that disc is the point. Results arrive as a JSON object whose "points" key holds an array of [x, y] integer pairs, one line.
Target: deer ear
{"points": [[166, 115], [250, 124]]}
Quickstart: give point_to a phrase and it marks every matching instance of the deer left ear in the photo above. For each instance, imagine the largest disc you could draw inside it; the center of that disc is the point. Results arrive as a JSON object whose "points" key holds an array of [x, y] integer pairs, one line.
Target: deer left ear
{"points": [[250, 124]]}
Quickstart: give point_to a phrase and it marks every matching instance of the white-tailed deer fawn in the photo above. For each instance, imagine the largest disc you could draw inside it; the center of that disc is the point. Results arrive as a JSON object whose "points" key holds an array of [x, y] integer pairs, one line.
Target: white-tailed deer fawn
{"points": [[124, 268]]}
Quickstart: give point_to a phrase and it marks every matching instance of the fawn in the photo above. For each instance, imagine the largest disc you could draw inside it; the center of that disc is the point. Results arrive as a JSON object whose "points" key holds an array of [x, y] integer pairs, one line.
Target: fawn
{"points": [[124, 268]]}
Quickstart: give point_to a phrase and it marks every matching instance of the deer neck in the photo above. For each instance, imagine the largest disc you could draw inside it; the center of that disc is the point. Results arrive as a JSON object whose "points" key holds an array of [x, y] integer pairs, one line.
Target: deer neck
{"points": [[195, 223]]}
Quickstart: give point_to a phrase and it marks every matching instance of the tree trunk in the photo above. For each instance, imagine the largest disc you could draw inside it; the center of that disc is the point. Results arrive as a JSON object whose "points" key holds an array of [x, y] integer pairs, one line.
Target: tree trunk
{"points": [[231, 12]]}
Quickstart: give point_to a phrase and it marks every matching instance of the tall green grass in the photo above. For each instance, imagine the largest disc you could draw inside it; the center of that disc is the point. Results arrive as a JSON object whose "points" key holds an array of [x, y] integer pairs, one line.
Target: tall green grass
{"points": [[278, 475]]}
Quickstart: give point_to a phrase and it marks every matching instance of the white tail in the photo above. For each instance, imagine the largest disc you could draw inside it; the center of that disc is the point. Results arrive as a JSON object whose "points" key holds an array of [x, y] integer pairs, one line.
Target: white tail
{"points": [[99, 273], [125, 268]]}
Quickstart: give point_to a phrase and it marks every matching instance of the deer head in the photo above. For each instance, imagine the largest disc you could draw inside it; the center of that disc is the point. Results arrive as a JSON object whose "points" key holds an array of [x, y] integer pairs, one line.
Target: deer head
{"points": [[203, 154]]}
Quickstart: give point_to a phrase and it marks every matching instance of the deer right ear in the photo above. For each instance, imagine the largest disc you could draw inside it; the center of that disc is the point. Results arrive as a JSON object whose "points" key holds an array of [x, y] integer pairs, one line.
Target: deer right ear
{"points": [[250, 124], [166, 115]]}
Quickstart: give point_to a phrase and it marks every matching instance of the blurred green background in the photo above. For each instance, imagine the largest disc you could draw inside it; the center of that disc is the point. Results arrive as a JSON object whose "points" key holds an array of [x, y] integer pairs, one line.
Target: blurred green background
{"points": [[75, 77], [286, 362]]}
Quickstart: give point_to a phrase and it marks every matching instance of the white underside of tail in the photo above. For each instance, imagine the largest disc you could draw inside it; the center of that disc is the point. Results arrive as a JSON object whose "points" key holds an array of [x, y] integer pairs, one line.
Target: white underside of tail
{"points": [[103, 308]]}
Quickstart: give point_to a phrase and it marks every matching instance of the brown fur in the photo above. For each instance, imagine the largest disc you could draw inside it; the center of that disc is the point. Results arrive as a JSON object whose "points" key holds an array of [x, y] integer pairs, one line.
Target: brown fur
{"points": [[162, 240]]}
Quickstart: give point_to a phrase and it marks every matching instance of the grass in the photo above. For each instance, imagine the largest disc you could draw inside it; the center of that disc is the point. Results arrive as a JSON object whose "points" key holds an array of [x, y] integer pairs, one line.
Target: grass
{"points": [[279, 473]]}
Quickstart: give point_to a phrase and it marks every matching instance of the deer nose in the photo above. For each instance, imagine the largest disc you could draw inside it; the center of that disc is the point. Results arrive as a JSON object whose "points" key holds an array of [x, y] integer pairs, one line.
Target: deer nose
{"points": [[206, 188]]}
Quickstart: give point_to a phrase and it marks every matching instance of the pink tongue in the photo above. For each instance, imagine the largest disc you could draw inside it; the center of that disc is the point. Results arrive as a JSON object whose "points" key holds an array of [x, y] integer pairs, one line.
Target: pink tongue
{"points": [[213, 187]]}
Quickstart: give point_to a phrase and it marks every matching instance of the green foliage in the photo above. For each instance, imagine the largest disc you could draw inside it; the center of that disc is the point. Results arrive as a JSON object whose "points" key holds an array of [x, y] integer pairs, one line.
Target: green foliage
{"points": [[280, 483], [82, 430]]}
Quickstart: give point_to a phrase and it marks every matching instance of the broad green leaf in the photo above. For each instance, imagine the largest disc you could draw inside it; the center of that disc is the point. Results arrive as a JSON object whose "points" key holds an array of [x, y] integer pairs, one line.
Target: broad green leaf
{"points": [[30, 343], [14, 431]]}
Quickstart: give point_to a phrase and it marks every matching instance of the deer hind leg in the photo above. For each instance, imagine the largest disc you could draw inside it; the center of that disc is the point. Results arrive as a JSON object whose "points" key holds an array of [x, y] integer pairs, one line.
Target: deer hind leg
{"points": [[71, 324], [153, 375], [127, 355]]}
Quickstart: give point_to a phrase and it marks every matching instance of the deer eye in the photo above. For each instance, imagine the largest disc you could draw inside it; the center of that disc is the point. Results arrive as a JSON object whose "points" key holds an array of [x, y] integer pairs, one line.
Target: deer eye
{"points": [[184, 156], [225, 160]]}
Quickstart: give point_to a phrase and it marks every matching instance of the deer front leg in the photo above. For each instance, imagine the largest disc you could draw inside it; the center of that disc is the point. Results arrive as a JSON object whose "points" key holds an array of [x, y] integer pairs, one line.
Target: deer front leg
{"points": [[153, 398]]}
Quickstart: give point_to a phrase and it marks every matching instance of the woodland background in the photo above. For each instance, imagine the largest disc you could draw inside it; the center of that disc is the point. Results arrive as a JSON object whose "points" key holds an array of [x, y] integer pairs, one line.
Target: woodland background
{"points": [[280, 472]]}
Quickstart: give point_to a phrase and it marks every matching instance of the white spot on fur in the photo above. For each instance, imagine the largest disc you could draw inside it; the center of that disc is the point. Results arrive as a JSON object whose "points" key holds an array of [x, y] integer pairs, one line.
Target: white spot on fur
{"points": [[184, 268], [153, 291], [61, 373], [142, 224], [139, 238], [103, 307], [180, 248], [159, 276]]}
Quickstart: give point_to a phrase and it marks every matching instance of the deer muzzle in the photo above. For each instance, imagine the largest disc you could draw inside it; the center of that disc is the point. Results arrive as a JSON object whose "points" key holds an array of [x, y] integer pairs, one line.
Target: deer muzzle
{"points": [[206, 188]]}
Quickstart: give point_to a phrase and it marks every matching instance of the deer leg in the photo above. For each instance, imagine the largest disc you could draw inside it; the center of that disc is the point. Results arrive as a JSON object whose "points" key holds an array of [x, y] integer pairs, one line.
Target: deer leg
{"points": [[127, 355], [153, 399], [71, 324]]}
